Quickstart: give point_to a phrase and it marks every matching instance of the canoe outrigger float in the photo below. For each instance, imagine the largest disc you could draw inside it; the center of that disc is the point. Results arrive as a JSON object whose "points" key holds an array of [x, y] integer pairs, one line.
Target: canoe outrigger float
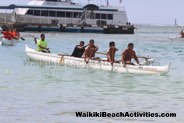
{"points": [[95, 64]]}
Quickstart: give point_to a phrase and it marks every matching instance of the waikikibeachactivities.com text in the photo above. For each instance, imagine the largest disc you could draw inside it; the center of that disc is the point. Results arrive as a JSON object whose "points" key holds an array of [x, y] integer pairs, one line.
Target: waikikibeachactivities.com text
{"points": [[124, 114]]}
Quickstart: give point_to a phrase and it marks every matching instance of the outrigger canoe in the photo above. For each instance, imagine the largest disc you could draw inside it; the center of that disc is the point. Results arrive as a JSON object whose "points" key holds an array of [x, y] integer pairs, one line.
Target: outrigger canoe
{"points": [[177, 39], [4, 41], [95, 64]]}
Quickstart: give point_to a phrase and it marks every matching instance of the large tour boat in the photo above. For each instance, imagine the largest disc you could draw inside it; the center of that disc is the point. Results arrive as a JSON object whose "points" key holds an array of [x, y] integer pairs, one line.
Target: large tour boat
{"points": [[66, 16]]}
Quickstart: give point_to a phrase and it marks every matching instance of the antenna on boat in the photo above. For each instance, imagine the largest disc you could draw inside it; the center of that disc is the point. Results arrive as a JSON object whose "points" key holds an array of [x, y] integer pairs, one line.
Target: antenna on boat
{"points": [[88, 1]]}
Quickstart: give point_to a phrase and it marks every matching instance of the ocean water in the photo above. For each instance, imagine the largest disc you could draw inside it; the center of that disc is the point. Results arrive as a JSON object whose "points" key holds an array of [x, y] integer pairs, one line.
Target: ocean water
{"points": [[52, 94]]}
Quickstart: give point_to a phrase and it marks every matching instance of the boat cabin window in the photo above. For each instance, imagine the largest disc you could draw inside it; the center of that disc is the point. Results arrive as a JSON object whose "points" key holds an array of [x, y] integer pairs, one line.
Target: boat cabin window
{"points": [[34, 12], [58, 0], [53, 0], [60, 14], [44, 13], [104, 16], [98, 16], [30, 12], [37, 12], [52, 13], [110, 17], [77, 14], [68, 14], [101, 16]]}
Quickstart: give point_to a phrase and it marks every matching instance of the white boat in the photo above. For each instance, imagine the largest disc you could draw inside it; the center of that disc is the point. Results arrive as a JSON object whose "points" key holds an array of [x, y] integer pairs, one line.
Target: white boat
{"points": [[95, 64], [4, 41], [68, 16]]}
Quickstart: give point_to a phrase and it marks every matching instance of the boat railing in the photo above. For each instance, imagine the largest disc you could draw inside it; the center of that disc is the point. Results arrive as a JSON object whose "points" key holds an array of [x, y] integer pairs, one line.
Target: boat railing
{"points": [[55, 21], [5, 18], [42, 20]]}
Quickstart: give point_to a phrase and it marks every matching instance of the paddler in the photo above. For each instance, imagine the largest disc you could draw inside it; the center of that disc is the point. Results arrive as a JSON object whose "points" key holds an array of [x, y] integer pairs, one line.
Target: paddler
{"points": [[79, 50], [10, 31], [128, 54], [182, 34], [90, 51], [41, 44], [7, 34], [111, 52], [15, 34]]}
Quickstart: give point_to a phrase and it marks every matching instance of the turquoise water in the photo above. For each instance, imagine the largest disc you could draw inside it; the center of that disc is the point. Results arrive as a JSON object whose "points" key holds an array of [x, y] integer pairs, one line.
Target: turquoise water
{"points": [[52, 94]]}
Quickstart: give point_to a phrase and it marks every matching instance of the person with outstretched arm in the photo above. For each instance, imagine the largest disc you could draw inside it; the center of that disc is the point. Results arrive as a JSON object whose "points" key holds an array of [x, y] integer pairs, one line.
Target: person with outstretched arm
{"points": [[90, 51], [79, 50], [42, 44]]}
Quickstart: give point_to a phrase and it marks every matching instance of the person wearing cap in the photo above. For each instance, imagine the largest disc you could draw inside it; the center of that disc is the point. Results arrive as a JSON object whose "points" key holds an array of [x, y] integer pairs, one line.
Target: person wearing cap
{"points": [[42, 44], [128, 54], [90, 51], [111, 52], [79, 50]]}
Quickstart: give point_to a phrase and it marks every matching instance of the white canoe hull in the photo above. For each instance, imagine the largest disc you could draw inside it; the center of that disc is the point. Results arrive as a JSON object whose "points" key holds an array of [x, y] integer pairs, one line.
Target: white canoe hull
{"points": [[4, 41], [102, 65]]}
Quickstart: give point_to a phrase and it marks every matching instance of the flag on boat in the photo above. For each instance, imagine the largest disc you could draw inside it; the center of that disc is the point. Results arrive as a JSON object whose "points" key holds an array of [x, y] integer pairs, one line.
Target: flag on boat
{"points": [[107, 3]]}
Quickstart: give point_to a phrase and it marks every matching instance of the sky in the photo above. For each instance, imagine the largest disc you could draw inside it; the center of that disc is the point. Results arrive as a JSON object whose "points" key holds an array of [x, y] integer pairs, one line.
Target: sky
{"points": [[141, 11]]}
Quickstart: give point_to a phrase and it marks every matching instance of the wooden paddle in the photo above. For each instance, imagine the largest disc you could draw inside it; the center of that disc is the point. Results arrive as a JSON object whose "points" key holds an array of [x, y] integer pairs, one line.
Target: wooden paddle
{"points": [[61, 60], [1, 43], [110, 56], [46, 50], [104, 53], [88, 58], [63, 55], [22, 38], [28, 36]]}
